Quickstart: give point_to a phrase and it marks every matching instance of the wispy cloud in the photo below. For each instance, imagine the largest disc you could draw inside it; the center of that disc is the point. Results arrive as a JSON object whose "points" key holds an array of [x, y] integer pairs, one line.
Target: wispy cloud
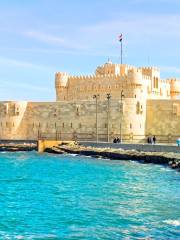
{"points": [[22, 64], [151, 25], [171, 69], [27, 86], [55, 40], [88, 52], [45, 37]]}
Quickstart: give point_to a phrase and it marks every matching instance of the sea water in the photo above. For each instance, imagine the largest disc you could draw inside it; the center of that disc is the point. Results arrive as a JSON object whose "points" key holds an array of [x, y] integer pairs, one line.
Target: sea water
{"points": [[45, 196]]}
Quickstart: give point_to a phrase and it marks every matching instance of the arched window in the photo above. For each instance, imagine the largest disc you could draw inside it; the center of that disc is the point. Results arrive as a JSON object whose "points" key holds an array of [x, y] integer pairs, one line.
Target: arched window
{"points": [[138, 107], [154, 82]]}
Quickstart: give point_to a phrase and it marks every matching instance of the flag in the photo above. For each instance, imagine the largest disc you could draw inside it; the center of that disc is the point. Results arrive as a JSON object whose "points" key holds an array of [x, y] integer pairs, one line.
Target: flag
{"points": [[120, 37]]}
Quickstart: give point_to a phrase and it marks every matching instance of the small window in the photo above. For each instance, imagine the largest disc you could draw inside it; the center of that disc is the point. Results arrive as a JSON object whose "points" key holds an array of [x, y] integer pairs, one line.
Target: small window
{"points": [[130, 125], [63, 125], [175, 108], [71, 125], [137, 107]]}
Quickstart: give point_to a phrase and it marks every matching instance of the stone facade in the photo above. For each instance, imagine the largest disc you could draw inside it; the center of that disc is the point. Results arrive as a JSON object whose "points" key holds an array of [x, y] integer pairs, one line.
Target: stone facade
{"points": [[142, 82], [141, 104]]}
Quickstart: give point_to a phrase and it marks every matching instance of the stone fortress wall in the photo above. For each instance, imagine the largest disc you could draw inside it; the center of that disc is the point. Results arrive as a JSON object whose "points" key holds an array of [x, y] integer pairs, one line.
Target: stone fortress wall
{"points": [[70, 119], [111, 78], [149, 106]]}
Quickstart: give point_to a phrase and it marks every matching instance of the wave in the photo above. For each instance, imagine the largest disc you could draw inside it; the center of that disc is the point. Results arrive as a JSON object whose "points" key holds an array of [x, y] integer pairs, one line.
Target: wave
{"points": [[29, 236], [173, 222], [74, 154], [14, 180]]}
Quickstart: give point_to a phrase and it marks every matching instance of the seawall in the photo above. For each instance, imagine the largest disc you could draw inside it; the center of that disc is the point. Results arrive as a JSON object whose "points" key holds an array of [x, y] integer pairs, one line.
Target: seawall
{"points": [[166, 158], [137, 147]]}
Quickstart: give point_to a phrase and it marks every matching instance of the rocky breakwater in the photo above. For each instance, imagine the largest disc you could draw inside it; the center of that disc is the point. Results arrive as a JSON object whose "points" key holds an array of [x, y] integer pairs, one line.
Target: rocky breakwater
{"points": [[171, 159], [16, 147]]}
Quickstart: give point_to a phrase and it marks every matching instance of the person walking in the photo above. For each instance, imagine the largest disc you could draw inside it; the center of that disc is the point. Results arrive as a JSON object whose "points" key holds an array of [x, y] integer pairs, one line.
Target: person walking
{"points": [[154, 139]]}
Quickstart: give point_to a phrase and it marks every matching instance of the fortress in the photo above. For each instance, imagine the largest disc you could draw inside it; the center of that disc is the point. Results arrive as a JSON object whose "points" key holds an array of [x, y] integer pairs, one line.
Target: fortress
{"points": [[139, 104]]}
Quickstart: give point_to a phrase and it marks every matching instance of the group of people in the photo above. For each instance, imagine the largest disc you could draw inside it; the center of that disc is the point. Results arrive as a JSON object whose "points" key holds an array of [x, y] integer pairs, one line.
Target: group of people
{"points": [[116, 140], [151, 139]]}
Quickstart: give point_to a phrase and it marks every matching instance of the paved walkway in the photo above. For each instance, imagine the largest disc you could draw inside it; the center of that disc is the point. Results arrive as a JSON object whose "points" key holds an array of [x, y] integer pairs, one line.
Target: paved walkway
{"points": [[139, 147]]}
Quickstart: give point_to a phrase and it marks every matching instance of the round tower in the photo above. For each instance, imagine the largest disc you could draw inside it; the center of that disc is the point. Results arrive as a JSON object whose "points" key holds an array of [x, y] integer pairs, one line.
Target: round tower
{"points": [[61, 80], [135, 83], [174, 88]]}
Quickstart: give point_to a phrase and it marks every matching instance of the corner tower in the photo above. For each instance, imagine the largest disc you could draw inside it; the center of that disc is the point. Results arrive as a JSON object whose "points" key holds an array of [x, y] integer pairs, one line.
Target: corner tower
{"points": [[61, 81]]}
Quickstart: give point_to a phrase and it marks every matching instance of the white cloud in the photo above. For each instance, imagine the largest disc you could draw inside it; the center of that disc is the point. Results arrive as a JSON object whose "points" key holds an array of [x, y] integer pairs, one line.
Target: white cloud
{"points": [[137, 27], [21, 64], [45, 37], [55, 40], [170, 69], [27, 86]]}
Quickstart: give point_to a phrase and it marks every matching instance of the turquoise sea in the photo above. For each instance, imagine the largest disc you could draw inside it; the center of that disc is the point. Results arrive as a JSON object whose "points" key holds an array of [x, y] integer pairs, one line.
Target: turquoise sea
{"points": [[45, 196]]}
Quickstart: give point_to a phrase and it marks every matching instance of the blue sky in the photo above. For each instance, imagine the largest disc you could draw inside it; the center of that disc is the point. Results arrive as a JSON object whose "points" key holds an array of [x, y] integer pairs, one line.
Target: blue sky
{"points": [[40, 37]]}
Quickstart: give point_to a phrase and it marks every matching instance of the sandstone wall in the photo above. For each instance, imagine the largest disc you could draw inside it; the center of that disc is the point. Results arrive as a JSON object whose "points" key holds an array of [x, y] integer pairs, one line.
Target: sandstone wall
{"points": [[113, 78], [163, 119], [68, 120]]}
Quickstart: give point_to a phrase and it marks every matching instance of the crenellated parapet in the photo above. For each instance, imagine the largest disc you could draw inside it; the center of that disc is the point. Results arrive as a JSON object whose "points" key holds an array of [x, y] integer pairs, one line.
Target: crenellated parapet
{"points": [[61, 79], [133, 90], [113, 78], [174, 87]]}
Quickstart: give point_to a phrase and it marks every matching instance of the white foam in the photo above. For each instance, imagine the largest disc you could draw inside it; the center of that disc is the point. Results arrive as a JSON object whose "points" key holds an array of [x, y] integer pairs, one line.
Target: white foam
{"points": [[74, 154], [173, 222], [19, 237]]}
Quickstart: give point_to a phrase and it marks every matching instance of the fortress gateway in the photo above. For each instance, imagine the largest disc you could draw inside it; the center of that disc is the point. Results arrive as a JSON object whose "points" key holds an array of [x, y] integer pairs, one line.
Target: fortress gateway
{"points": [[140, 104]]}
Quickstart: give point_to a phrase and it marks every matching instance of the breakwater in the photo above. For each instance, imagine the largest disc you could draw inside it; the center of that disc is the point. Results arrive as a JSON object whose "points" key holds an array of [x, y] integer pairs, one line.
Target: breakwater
{"points": [[165, 158], [17, 146]]}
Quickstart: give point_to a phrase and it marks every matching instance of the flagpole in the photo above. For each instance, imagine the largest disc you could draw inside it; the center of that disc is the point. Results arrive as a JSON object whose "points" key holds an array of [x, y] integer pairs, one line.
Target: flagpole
{"points": [[121, 52]]}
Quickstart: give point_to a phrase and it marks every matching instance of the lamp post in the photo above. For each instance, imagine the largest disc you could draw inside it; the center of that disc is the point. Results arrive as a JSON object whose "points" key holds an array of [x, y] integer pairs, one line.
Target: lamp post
{"points": [[121, 115], [108, 112], [96, 96]]}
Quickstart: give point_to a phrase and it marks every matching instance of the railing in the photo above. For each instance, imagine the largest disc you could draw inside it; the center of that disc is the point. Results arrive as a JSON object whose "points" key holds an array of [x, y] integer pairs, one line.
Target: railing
{"points": [[90, 136]]}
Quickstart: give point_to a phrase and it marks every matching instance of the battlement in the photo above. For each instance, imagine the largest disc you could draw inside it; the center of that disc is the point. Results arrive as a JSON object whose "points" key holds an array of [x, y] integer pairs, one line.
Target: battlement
{"points": [[113, 78], [146, 77], [150, 68], [81, 77], [61, 79], [92, 77]]}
